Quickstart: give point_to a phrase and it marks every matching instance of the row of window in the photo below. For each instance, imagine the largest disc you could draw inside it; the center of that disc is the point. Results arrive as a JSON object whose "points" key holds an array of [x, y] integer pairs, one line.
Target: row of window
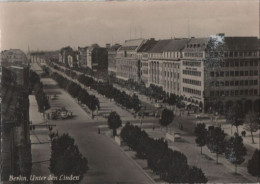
{"points": [[233, 92], [191, 72], [232, 54], [234, 73], [193, 82], [234, 83], [191, 63], [237, 63], [192, 91], [171, 74], [192, 54]]}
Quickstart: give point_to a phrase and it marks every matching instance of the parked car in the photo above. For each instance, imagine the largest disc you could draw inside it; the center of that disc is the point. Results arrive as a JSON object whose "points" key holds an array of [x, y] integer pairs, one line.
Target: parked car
{"points": [[177, 135]]}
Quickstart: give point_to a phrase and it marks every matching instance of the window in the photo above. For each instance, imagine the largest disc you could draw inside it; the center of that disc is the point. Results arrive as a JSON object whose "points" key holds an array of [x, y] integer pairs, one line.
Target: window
{"points": [[235, 54], [251, 73], [236, 92], [231, 63], [236, 73], [221, 74], [246, 82], [217, 83], [232, 73], [231, 83], [232, 93], [241, 63], [241, 83], [226, 83], [212, 74], [241, 73], [227, 73], [251, 63], [236, 83], [255, 91], [256, 72], [227, 64], [240, 54], [241, 92], [211, 93], [246, 92], [236, 63], [255, 63], [230, 54], [255, 82], [246, 73], [226, 93]]}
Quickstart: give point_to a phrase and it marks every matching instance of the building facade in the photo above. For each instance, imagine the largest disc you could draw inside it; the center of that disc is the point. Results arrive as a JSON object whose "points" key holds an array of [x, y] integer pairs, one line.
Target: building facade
{"points": [[82, 56], [127, 61], [165, 63], [232, 74], [112, 58], [97, 58]]}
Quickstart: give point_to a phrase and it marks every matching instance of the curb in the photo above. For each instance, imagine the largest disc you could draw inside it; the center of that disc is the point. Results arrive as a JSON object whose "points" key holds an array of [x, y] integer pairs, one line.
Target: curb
{"points": [[145, 173]]}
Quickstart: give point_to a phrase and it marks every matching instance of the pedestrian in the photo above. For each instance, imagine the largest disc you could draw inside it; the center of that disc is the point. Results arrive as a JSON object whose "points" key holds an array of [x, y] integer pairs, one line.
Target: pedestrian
{"points": [[98, 130]]}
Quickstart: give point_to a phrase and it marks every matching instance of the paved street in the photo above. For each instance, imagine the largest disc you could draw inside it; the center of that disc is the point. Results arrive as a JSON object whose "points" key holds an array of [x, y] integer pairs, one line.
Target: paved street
{"points": [[107, 162], [85, 133]]}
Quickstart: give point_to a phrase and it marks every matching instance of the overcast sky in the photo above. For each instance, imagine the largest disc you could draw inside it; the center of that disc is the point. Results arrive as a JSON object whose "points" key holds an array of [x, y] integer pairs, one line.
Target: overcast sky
{"points": [[52, 25]]}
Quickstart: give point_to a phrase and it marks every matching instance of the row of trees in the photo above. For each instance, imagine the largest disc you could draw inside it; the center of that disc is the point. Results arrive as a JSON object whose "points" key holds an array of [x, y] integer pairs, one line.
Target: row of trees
{"points": [[36, 85], [66, 158], [76, 91], [216, 141], [172, 166], [130, 102], [103, 88]]}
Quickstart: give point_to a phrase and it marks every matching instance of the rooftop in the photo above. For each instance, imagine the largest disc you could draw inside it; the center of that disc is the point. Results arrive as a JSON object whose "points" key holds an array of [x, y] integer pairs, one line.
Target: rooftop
{"points": [[159, 46]]}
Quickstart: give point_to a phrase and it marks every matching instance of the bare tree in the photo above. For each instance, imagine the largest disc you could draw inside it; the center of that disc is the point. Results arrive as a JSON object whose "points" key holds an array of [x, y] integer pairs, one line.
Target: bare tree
{"points": [[251, 123]]}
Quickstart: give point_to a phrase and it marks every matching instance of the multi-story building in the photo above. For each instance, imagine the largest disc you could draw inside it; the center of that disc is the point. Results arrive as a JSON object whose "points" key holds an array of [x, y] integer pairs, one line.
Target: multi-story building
{"points": [[97, 58], [82, 56], [232, 74], [15, 137], [164, 64], [64, 54], [192, 70], [220, 71], [127, 62], [112, 58], [13, 57], [143, 56]]}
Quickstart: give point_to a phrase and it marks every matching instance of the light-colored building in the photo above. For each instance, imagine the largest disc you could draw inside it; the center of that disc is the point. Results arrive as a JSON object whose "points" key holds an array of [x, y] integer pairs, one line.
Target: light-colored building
{"points": [[143, 56], [13, 57], [193, 69], [220, 71], [127, 61], [164, 65], [112, 58]]}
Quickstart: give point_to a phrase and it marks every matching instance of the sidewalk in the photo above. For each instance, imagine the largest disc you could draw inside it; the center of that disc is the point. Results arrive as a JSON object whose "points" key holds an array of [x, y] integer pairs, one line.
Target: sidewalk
{"points": [[227, 129], [41, 146], [216, 173]]}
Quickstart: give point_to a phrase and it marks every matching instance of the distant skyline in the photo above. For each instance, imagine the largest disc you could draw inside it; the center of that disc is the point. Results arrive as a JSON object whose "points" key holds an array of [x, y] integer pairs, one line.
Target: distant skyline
{"points": [[52, 25]]}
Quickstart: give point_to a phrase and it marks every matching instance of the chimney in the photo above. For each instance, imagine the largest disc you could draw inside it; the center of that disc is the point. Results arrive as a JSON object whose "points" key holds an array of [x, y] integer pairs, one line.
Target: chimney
{"points": [[108, 45]]}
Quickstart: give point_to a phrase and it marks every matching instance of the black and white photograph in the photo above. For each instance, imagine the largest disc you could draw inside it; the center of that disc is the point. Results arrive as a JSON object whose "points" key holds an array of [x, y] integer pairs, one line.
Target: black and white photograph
{"points": [[129, 92]]}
